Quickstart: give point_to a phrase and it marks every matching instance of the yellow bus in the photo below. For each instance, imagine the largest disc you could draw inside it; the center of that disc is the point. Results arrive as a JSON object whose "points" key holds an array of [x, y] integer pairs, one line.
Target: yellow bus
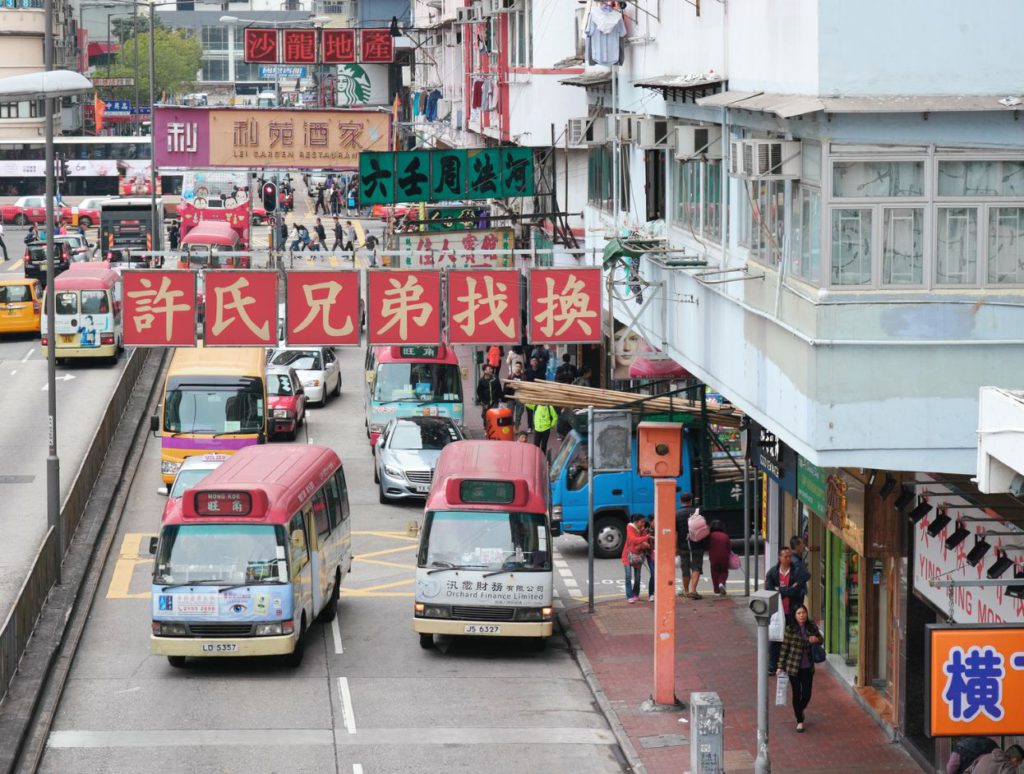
{"points": [[215, 400]]}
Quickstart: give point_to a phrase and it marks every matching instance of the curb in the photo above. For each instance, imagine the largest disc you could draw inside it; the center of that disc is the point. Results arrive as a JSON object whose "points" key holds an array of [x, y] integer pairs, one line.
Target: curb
{"points": [[621, 737]]}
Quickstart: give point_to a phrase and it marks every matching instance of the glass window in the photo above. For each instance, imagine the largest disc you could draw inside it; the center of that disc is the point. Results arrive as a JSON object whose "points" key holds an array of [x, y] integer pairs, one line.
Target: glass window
{"points": [[1006, 245], [297, 544], [219, 553], [67, 302], [339, 478], [903, 246], [810, 161], [279, 384], [188, 478], [415, 436], [981, 178], [599, 176], [320, 519], [214, 38], [851, 246], [956, 259], [300, 360], [860, 179], [95, 302], [807, 263], [213, 404], [685, 180], [714, 199], [767, 220], [485, 540], [418, 382], [214, 70], [333, 494]]}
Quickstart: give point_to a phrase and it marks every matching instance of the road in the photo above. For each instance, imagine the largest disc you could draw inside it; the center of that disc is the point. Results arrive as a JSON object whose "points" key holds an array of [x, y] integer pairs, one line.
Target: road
{"points": [[367, 698]]}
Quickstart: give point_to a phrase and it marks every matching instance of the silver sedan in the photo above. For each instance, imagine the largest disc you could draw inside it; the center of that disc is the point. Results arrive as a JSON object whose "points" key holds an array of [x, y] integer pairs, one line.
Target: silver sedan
{"points": [[406, 453]]}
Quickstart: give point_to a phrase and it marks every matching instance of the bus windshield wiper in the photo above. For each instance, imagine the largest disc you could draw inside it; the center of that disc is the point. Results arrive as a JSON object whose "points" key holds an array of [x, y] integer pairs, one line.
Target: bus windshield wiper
{"points": [[200, 582], [440, 566]]}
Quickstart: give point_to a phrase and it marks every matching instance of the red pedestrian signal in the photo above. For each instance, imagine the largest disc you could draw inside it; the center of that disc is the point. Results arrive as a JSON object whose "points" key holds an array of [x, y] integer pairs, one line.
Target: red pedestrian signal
{"points": [[269, 197]]}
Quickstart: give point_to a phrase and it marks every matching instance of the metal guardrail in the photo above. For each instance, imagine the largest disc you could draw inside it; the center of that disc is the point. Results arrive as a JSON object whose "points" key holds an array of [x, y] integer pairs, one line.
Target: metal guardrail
{"points": [[21, 620]]}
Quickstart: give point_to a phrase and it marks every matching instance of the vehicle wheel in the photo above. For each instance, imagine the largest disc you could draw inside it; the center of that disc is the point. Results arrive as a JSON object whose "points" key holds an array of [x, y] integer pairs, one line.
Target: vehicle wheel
{"points": [[85, 222], [294, 659], [384, 499], [539, 644], [337, 387], [426, 641], [376, 475], [330, 611], [20, 219], [178, 662], [609, 536]]}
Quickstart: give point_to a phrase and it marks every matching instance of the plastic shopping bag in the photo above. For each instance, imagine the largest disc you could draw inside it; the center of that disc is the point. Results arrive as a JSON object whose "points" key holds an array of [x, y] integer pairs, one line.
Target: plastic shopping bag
{"points": [[781, 689], [734, 561], [777, 627]]}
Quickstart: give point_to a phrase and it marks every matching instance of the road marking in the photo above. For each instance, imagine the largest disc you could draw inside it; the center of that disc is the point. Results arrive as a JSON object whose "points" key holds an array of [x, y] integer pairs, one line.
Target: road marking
{"points": [[395, 535], [127, 560], [385, 551], [14, 372], [334, 261], [338, 649], [570, 583], [346, 705], [357, 768], [28, 355], [382, 586], [16, 265], [565, 572], [387, 564]]}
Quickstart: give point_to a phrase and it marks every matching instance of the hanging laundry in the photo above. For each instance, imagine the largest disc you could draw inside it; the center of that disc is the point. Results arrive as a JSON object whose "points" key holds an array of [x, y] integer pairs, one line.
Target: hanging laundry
{"points": [[492, 104], [485, 95], [604, 32], [477, 100], [432, 100], [416, 104]]}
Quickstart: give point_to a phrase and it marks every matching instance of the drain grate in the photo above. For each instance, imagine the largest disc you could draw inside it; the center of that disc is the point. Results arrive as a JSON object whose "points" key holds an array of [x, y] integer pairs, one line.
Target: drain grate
{"points": [[17, 479]]}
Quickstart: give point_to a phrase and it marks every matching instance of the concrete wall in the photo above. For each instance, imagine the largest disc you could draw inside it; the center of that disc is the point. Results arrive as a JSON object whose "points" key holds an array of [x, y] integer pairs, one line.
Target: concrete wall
{"points": [[773, 46]]}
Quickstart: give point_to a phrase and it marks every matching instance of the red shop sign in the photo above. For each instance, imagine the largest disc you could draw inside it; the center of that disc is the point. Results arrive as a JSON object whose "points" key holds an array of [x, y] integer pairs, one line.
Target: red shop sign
{"points": [[404, 307], [241, 308], [376, 46], [565, 305], [299, 47], [323, 308], [339, 46], [483, 307], [159, 308], [260, 46]]}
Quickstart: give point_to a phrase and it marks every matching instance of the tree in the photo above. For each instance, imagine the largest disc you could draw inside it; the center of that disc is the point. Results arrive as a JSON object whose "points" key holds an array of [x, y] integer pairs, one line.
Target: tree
{"points": [[121, 27], [178, 57]]}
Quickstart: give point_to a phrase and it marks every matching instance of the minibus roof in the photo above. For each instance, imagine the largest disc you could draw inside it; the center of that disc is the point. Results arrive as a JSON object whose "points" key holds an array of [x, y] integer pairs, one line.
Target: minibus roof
{"points": [[521, 463]]}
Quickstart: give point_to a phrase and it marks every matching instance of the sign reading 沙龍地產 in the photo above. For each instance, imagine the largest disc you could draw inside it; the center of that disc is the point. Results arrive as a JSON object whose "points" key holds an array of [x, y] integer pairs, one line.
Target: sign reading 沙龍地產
{"points": [[976, 680], [189, 138]]}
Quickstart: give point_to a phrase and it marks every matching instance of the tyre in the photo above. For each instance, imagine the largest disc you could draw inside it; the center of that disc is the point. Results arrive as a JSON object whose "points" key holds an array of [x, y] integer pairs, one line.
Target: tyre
{"points": [[376, 475], [20, 219], [85, 222], [337, 387], [609, 536], [426, 641], [177, 662], [383, 498], [330, 611], [294, 659]]}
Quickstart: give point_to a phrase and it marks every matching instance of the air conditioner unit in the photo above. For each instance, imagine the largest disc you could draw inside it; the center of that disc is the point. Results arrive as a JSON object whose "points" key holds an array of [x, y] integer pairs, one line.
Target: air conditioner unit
{"points": [[584, 132], [464, 15], [703, 141], [654, 133], [490, 8], [510, 6], [621, 125], [774, 159]]}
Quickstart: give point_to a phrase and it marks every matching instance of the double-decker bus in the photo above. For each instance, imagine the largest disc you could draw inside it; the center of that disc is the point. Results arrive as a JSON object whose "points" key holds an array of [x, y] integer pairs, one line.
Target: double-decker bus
{"points": [[411, 381], [484, 561], [215, 400], [256, 553]]}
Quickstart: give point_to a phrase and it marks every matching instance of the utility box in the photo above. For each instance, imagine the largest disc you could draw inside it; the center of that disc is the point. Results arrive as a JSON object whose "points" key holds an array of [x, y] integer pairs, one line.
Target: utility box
{"points": [[659, 449], [707, 728]]}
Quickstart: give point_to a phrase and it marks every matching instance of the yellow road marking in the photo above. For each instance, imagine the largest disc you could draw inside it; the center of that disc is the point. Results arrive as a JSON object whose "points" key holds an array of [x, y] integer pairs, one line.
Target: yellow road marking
{"points": [[598, 596], [385, 551], [395, 535], [128, 559], [358, 593], [334, 261], [16, 264], [391, 585], [388, 564]]}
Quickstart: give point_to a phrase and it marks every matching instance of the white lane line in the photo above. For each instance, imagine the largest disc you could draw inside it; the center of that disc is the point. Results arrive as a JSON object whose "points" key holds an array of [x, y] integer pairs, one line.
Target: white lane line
{"points": [[565, 572], [570, 583], [336, 632], [346, 705], [357, 768], [561, 564], [14, 372], [30, 353]]}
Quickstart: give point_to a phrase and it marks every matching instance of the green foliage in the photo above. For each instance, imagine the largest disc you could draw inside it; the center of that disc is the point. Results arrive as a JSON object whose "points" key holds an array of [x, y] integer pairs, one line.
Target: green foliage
{"points": [[123, 27], [177, 54]]}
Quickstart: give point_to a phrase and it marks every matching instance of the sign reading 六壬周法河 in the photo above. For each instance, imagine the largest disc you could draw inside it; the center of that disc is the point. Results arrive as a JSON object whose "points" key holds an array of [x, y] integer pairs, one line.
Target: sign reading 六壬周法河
{"points": [[445, 175]]}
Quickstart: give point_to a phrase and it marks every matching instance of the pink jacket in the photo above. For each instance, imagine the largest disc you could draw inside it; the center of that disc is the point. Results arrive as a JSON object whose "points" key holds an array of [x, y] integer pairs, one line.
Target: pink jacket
{"points": [[636, 543]]}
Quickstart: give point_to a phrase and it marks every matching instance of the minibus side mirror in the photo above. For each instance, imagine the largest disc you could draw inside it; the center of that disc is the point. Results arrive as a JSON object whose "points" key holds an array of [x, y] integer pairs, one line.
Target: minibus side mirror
{"points": [[154, 425], [152, 545], [163, 491]]}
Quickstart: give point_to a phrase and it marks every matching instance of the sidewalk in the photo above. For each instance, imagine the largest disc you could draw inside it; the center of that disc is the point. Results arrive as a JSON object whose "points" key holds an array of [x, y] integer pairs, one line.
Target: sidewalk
{"points": [[716, 647]]}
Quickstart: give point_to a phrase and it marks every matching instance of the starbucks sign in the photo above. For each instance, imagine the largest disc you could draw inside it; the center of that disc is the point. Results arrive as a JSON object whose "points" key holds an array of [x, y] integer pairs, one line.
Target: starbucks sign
{"points": [[359, 85]]}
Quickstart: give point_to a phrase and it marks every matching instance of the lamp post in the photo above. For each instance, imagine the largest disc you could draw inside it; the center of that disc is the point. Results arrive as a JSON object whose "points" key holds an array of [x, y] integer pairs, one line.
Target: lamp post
{"points": [[763, 605], [135, 33], [49, 86]]}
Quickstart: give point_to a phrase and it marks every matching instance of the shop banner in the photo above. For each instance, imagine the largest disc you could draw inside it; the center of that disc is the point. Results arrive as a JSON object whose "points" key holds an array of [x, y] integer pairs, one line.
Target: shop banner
{"points": [[565, 306], [483, 307], [403, 307], [976, 680], [77, 168], [241, 308], [300, 46], [945, 554], [810, 485], [360, 85], [159, 308], [481, 248], [323, 308], [271, 139], [444, 218], [771, 455]]}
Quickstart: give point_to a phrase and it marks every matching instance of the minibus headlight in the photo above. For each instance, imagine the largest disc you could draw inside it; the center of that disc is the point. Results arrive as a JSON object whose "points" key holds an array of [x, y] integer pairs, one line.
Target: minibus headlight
{"points": [[282, 413], [432, 611], [268, 629], [165, 629], [529, 614], [545, 613], [169, 467]]}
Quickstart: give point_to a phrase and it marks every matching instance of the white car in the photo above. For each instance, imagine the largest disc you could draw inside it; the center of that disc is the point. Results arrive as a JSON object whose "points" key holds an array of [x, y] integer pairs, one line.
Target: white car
{"points": [[317, 368]]}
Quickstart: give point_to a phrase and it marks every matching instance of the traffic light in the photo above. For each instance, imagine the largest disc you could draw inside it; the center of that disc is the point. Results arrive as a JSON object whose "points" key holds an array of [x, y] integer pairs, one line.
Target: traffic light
{"points": [[270, 196]]}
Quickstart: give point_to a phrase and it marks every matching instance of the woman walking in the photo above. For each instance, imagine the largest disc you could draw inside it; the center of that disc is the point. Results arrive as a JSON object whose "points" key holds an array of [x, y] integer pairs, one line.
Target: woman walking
{"points": [[634, 556], [795, 659], [719, 551]]}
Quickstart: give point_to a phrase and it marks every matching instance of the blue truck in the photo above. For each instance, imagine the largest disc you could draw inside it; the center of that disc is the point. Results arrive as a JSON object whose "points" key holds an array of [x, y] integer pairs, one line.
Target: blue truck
{"points": [[709, 472]]}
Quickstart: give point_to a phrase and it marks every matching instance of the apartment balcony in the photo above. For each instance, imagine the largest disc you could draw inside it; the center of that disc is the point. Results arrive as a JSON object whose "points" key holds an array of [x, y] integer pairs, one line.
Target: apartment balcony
{"points": [[26, 19]]}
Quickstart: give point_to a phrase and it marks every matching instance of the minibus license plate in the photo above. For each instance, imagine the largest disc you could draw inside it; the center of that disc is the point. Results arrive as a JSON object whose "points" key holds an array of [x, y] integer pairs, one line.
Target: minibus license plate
{"points": [[482, 629], [219, 647]]}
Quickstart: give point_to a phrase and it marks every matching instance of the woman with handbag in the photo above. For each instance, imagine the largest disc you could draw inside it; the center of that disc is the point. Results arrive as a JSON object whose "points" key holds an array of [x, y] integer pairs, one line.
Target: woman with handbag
{"points": [[634, 556], [801, 649], [719, 555]]}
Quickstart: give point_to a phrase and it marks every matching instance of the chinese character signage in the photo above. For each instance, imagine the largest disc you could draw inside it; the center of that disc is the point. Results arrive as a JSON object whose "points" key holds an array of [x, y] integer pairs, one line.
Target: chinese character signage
{"points": [[444, 175], [261, 46], [191, 138], [323, 308], [976, 680], [565, 305], [452, 218], [376, 46], [483, 307], [159, 308], [241, 308], [479, 248], [403, 307], [299, 47], [338, 46]]}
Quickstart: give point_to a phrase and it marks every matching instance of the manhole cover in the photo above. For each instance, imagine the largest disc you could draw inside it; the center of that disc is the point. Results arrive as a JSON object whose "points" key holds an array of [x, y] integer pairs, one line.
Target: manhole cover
{"points": [[17, 479], [663, 740]]}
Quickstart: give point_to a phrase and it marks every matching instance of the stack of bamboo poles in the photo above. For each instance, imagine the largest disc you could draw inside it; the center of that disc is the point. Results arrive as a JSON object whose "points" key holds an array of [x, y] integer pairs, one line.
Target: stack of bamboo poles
{"points": [[576, 396]]}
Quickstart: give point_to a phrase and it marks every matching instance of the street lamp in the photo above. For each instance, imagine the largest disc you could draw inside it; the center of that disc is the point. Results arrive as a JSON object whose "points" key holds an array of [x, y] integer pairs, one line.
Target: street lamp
{"points": [[763, 605], [49, 85]]}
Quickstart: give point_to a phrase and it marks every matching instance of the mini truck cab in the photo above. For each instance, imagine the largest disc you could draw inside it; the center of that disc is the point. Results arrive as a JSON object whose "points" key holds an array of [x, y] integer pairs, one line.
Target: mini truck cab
{"points": [[484, 561]]}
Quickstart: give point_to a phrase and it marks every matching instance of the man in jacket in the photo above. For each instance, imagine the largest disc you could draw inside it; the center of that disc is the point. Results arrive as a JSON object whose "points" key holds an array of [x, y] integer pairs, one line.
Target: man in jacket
{"points": [[544, 418], [2, 245], [321, 234], [517, 406], [488, 392], [566, 373], [999, 761], [789, 578], [339, 235]]}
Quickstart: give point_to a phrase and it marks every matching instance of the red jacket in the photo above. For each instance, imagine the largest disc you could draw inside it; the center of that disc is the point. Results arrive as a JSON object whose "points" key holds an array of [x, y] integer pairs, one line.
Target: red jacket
{"points": [[719, 548], [637, 542]]}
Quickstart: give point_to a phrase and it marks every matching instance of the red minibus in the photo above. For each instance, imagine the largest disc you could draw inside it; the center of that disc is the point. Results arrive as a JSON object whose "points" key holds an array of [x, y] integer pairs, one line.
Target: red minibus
{"points": [[202, 247]]}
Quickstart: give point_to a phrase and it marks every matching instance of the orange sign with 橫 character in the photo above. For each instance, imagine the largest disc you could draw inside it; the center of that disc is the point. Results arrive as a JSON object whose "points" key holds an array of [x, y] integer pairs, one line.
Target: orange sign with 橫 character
{"points": [[241, 308], [323, 308], [403, 307], [565, 305], [159, 308], [483, 306], [976, 685]]}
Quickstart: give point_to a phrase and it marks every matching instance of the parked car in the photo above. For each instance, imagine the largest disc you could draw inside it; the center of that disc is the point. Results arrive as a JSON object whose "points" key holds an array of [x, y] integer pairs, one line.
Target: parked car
{"points": [[286, 400], [20, 302], [192, 471], [81, 250], [35, 259], [317, 368], [27, 209], [87, 210], [407, 452], [259, 215]]}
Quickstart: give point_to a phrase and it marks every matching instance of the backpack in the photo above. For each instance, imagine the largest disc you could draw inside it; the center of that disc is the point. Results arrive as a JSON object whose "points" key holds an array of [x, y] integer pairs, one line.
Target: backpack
{"points": [[697, 527], [970, 748]]}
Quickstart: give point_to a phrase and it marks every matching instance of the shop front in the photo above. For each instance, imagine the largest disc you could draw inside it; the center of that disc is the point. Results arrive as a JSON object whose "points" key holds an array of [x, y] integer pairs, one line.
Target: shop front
{"points": [[778, 462]]}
